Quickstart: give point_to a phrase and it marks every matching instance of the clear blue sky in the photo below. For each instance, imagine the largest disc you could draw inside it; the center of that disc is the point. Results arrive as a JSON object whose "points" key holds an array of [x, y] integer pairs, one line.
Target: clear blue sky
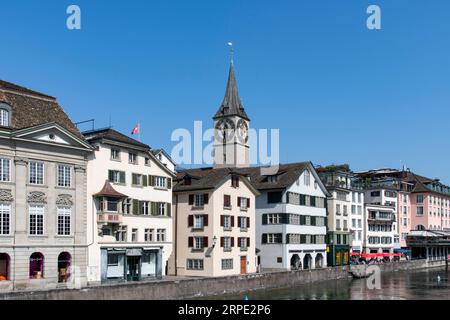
{"points": [[337, 91]]}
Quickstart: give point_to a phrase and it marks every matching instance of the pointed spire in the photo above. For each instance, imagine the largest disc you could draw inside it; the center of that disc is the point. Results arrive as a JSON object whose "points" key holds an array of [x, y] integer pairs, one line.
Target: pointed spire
{"points": [[231, 104]]}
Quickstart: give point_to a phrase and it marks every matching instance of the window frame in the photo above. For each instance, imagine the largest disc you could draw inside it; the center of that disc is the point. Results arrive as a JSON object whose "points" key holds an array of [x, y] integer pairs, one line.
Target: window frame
{"points": [[33, 231], [3, 213], [58, 175], [35, 164], [66, 214], [4, 161]]}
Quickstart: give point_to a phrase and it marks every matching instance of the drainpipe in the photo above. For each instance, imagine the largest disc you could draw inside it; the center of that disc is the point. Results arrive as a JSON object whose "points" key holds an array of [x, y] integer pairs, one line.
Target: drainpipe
{"points": [[175, 243]]}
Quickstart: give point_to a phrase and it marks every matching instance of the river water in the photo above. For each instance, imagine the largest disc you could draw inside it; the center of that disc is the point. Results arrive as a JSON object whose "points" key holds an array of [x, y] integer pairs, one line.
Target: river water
{"points": [[405, 285]]}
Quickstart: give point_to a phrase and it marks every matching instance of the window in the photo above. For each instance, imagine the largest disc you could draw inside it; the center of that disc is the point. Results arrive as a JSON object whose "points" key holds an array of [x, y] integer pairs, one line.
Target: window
{"points": [[5, 219], [36, 172], [243, 223], [4, 267], [243, 203], [199, 222], [113, 260], [36, 220], [243, 243], [4, 117], [226, 222], [5, 165], [160, 182], [161, 235], [419, 198], [375, 194], [226, 201], [226, 243], [419, 211], [161, 209], [64, 175], [121, 234], [127, 206], [149, 235], [115, 154], [145, 208], [235, 182], [136, 180], [227, 264], [36, 266], [147, 161], [198, 243], [194, 264], [132, 158], [353, 208], [307, 178], [274, 197], [270, 238], [64, 215], [115, 176], [134, 235], [199, 200]]}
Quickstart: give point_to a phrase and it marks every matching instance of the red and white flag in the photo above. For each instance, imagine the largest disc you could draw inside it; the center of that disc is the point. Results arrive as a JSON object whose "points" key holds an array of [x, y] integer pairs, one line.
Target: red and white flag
{"points": [[136, 129]]}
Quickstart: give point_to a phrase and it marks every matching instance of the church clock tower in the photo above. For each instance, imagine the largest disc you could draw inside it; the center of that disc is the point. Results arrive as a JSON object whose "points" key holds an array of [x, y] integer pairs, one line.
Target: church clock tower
{"points": [[231, 127]]}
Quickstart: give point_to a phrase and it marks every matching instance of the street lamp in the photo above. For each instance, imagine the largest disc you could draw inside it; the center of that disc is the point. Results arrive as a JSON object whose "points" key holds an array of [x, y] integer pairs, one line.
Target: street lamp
{"points": [[214, 241]]}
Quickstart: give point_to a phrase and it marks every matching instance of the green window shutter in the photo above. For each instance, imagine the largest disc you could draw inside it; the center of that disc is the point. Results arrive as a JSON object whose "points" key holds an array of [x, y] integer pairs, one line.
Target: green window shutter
{"points": [[135, 206], [141, 209], [169, 183], [110, 175], [122, 177], [133, 179], [264, 219], [144, 181], [151, 180], [154, 208], [169, 209]]}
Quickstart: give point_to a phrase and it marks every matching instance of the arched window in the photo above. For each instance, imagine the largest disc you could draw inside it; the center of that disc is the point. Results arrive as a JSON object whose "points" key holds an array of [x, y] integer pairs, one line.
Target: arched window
{"points": [[5, 115], [64, 261], [36, 266], [4, 267], [420, 227]]}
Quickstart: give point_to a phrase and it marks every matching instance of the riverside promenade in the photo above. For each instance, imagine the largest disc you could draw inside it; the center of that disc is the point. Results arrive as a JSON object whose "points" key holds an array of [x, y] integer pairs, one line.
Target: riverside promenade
{"points": [[188, 288]]}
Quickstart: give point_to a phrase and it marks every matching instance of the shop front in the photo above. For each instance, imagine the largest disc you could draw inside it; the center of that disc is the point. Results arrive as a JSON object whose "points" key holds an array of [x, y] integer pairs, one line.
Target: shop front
{"points": [[131, 264]]}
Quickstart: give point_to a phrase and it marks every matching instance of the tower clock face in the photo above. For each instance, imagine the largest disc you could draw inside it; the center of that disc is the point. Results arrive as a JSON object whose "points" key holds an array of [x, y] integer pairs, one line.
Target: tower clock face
{"points": [[224, 130], [242, 131]]}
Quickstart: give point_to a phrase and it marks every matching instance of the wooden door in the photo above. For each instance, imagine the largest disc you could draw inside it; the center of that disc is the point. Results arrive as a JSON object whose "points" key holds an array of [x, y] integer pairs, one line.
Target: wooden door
{"points": [[243, 265]]}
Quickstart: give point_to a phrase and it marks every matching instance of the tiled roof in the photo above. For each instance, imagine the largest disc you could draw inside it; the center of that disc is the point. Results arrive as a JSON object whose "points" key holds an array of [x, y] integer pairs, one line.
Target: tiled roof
{"points": [[111, 134], [31, 108], [109, 191], [208, 178]]}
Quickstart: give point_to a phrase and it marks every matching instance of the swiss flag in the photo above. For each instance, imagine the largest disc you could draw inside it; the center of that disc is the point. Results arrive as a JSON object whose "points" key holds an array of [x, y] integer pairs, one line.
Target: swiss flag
{"points": [[136, 129]]}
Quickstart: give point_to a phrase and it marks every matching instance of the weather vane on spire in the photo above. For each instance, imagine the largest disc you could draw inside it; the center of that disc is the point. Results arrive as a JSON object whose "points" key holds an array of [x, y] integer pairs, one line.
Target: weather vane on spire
{"points": [[231, 51]]}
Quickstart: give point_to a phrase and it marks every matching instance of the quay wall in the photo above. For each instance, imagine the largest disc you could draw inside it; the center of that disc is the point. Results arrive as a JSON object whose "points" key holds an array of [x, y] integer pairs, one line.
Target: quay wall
{"points": [[199, 287]]}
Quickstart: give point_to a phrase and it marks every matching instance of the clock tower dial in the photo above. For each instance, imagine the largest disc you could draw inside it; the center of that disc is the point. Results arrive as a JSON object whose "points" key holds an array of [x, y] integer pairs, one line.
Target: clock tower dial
{"points": [[224, 131], [242, 131]]}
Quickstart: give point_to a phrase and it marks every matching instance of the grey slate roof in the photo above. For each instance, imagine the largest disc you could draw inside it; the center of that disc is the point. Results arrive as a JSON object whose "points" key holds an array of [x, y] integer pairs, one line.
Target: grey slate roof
{"points": [[231, 104], [30, 108], [111, 134]]}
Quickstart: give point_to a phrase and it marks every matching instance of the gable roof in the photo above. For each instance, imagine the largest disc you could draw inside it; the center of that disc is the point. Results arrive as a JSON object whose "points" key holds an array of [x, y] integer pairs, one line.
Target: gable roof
{"points": [[30, 108], [111, 134], [208, 178], [231, 104]]}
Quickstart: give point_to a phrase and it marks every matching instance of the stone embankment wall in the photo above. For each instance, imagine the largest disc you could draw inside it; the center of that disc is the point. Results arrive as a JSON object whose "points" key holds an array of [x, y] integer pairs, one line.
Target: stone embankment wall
{"points": [[190, 288]]}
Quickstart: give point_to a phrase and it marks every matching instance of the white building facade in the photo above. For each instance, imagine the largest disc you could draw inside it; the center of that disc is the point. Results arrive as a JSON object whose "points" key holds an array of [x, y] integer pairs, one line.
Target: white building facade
{"points": [[129, 210]]}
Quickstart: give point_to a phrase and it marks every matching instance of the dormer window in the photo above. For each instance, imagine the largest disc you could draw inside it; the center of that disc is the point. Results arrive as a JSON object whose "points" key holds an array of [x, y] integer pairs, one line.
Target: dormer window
{"points": [[272, 179], [5, 113]]}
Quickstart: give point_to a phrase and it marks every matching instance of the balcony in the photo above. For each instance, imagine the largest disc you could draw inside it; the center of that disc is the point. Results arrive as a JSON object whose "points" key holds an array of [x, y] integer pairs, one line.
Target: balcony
{"points": [[382, 216], [113, 218]]}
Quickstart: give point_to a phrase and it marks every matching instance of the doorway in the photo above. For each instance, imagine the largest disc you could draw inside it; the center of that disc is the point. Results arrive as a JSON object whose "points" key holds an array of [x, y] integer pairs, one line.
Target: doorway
{"points": [[243, 265], [133, 268]]}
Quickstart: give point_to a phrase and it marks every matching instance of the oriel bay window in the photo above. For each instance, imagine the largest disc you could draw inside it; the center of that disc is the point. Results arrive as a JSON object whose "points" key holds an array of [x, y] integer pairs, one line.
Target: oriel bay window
{"points": [[64, 175], [5, 219], [36, 172], [36, 220]]}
